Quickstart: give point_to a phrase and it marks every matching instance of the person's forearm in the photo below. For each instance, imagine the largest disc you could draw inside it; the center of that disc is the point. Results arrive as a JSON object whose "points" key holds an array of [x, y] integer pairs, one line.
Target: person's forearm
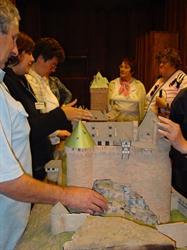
{"points": [[27, 189], [180, 144], [184, 147]]}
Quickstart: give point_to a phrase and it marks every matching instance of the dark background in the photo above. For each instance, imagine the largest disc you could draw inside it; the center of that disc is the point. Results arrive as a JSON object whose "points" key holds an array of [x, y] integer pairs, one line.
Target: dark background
{"points": [[97, 34]]}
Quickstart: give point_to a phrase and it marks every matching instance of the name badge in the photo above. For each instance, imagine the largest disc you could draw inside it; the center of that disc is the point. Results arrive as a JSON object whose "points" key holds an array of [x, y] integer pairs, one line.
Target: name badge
{"points": [[39, 105]]}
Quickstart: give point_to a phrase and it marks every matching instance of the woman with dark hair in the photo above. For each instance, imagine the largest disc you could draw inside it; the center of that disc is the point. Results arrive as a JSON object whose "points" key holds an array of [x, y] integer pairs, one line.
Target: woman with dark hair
{"points": [[171, 81], [126, 95], [42, 125], [48, 53]]}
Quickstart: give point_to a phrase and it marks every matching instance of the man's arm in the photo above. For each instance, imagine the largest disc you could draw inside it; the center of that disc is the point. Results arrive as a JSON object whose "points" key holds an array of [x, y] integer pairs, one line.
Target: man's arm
{"points": [[27, 189]]}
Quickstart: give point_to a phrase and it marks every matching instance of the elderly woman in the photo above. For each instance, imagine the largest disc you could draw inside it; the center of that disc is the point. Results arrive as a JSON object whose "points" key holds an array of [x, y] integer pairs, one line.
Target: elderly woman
{"points": [[126, 95], [171, 81]]}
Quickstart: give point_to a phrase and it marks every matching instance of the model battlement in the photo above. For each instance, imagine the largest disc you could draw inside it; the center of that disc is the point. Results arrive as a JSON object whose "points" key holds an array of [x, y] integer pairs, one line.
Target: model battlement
{"points": [[106, 133]]}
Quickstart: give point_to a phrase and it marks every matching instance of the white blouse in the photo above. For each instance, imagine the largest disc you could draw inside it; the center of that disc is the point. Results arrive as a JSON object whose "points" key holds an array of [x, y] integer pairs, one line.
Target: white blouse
{"points": [[42, 91]]}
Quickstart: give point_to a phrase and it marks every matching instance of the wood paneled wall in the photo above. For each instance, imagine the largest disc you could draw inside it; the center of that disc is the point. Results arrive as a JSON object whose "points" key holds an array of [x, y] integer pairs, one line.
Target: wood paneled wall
{"points": [[147, 48], [176, 21], [103, 32]]}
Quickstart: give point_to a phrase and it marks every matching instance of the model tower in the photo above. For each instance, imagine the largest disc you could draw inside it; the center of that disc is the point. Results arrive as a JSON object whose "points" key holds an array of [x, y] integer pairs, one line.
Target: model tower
{"points": [[79, 149]]}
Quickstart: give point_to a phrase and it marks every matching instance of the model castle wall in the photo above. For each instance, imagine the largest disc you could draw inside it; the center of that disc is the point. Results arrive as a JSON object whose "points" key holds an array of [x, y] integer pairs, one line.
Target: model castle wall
{"points": [[145, 167]]}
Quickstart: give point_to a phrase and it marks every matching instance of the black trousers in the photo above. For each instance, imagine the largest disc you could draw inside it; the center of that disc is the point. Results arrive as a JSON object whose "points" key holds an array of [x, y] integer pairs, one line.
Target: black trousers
{"points": [[39, 172], [179, 173]]}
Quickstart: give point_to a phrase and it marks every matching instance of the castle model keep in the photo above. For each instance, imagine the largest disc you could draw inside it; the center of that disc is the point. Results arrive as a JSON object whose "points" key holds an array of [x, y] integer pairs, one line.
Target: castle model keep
{"points": [[135, 156]]}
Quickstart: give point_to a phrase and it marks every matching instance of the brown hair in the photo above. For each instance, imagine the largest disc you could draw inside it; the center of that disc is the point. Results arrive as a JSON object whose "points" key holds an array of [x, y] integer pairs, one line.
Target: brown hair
{"points": [[48, 48], [171, 55], [131, 63], [24, 43]]}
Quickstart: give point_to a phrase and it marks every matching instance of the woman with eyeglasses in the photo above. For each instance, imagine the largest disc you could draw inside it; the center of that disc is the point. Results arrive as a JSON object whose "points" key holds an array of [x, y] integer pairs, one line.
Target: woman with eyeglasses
{"points": [[172, 79]]}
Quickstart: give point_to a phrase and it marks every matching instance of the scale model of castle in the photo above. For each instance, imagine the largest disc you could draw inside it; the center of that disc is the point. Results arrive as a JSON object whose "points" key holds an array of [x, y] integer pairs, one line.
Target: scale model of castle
{"points": [[125, 153]]}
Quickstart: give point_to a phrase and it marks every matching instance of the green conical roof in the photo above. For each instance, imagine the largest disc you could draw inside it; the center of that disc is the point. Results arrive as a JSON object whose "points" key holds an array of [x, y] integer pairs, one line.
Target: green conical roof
{"points": [[80, 138]]}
